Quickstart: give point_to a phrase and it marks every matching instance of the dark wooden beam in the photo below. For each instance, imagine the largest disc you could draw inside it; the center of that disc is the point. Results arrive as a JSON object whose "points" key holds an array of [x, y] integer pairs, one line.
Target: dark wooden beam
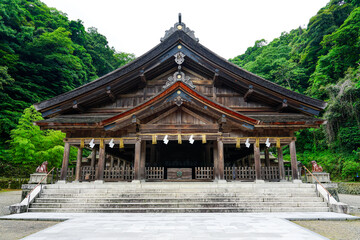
{"points": [[135, 120], [216, 81], [65, 162], [101, 162], [220, 152], [257, 161], [188, 111], [78, 164], [282, 106], [79, 108], [294, 169], [281, 163], [249, 92], [222, 119], [165, 114], [110, 94], [137, 156]]}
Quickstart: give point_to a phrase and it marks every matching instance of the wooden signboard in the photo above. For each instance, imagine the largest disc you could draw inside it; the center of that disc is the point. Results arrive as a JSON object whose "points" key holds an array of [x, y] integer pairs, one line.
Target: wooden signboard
{"points": [[179, 173]]}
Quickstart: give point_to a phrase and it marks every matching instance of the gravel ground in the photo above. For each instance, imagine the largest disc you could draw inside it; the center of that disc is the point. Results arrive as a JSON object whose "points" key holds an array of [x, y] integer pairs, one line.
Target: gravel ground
{"points": [[8, 198], [339, 230], [12, 229], [352, 200]]}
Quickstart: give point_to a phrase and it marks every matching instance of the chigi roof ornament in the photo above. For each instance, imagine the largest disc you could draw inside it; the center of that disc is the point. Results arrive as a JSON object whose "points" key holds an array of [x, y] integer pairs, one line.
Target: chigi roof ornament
{"points": [[179, 26]]}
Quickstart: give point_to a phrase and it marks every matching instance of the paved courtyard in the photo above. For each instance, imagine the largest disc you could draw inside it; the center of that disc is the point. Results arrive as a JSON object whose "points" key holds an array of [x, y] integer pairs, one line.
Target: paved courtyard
{"points": [[177, 226]]}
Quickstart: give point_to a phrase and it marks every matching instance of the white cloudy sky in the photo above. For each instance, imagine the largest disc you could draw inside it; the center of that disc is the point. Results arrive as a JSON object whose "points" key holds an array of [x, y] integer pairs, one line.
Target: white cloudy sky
{"points": [[226, 27]]}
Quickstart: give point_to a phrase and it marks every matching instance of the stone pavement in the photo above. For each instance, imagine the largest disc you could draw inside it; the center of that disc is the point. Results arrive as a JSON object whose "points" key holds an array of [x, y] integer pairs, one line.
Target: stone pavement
{"points": [[177, 226]]}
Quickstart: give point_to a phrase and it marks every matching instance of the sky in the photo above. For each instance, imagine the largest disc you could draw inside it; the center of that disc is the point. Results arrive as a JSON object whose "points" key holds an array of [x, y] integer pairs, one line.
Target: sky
{"points": [[226, 27]]}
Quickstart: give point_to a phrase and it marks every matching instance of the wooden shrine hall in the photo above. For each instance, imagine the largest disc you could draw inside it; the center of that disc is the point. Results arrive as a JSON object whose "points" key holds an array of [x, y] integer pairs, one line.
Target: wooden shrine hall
{"points": [[180, 113]]}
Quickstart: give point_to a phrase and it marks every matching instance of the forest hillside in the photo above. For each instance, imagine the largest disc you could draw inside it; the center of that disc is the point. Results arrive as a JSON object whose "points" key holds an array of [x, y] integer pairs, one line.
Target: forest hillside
{"points": [[321, 61], [43, 54]]}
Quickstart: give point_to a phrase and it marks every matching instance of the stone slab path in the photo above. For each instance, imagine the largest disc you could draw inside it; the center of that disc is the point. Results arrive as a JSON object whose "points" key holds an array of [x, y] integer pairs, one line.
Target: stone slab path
{"points": [[177, 226]]}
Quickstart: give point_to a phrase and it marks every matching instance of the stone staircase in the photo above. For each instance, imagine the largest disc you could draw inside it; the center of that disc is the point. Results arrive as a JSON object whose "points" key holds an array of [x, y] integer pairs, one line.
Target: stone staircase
{"points": [[175, 197]]}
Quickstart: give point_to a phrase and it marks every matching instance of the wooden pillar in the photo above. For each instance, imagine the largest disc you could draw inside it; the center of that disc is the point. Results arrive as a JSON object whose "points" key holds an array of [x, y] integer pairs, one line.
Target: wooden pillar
{"points": [[123, 165], [281, 163], [216, 157], [267, 158], [101, 162], [65, 162], [294, 169], [78, 164], [257, 162], [152, 155], [220, 159], [93, 157], [111, 161], [137, 159], [142, 159]]}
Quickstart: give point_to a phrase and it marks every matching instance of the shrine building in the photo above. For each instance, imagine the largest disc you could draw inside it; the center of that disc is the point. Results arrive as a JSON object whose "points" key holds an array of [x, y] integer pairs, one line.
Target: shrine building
{"points": [[180, 112]]}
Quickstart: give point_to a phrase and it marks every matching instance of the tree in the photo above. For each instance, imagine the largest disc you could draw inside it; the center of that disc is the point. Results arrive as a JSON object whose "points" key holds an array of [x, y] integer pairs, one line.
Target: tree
{"points": [[29, 146]]}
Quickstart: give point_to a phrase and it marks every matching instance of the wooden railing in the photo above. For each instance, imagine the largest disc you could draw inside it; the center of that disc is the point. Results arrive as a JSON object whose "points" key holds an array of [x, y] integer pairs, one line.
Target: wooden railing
{"points": [[153, 173], [239, 173], [70, 176], [118, 173], [204, 172], [270, 173], [88, 173], [288, 174]]}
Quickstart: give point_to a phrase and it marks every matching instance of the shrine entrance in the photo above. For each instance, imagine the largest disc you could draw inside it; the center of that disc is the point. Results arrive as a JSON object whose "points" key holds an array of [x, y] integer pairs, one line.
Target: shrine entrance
{"points": [[180, 161]]}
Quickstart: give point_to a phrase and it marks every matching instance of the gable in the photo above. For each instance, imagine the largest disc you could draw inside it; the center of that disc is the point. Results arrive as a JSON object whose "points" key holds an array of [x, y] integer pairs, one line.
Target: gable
{"points": [[213, 76]]}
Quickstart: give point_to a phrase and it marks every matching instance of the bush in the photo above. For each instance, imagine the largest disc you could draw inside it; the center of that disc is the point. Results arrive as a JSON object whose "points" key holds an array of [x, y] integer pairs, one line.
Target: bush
{"points": [[12, 183], [349, 188]]}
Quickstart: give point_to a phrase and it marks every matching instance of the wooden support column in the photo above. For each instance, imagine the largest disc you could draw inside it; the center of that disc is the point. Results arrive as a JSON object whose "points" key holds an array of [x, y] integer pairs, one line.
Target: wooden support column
{"points": [[78, 164], [216, 157], [123, 165], [93, 157], [101, 162], [142, 160], [294, 169], [257, 162], [281, 164], [220, 159], [137, 159], [111, 161], [267, 158], [65, 162]]}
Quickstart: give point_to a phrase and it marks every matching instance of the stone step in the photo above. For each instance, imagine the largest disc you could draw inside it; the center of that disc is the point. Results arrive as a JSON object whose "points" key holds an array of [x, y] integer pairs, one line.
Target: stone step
{"points": [[179, 205], [174, 185], [172, 195], [181, 210], [185, 190], [157, 199]]}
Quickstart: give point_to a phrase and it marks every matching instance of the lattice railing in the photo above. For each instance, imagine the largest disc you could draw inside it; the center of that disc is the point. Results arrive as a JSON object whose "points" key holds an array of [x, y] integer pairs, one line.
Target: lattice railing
{"points": [[204, 172], [239, 173], [154, 173], [88, 173], [118, 173], [270, 173]]}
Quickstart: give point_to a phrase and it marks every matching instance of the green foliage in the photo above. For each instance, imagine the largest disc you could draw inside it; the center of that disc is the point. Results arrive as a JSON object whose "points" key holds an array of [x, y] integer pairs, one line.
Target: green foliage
{"points": [[349, 188], [43, 54], [29, 146], [323, 62]]}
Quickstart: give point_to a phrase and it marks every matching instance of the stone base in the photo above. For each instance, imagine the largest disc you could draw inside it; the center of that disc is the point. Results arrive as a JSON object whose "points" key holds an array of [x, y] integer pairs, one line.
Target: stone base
{"points": [[26, 188], [259, 181], [296, 181], [37, 177], [323, 177]]}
